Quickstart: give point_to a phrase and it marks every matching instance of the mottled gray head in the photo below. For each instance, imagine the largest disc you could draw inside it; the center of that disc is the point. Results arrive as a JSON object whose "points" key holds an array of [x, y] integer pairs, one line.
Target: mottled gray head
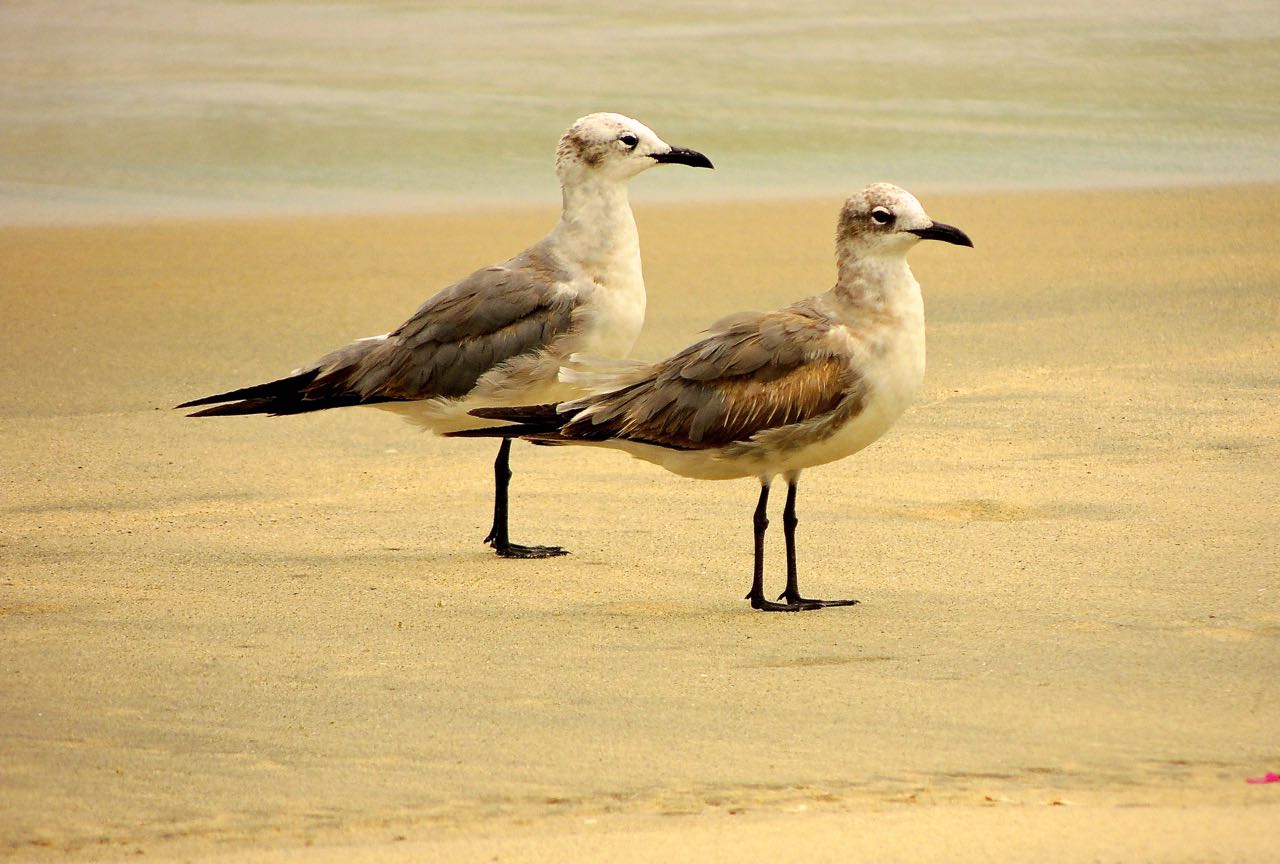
{"points": [[614, 147], [886, 219]]}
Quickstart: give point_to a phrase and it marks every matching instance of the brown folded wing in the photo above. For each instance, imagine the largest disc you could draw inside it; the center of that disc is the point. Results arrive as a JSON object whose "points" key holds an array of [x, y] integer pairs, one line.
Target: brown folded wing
{"points": [[759, 372]]}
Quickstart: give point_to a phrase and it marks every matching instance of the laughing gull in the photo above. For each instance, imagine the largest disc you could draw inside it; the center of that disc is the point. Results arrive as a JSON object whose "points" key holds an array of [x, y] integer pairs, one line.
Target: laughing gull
{"points": [[775, 392], [499, 336]]}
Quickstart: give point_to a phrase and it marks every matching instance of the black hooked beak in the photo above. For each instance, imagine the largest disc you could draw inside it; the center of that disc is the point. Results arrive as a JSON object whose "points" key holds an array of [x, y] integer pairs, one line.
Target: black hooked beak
{"points": [[683, 156], [942, 231]]}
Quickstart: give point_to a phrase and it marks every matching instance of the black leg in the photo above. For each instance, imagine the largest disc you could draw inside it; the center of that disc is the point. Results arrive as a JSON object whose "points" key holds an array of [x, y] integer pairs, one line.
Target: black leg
{"points": [[501, 480], [789, 523], [761, 522], [498, 538]]}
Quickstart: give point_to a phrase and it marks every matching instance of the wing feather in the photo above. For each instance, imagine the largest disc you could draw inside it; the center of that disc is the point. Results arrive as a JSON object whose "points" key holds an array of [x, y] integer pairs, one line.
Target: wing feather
{"points": [[760, 372], [460, 334]]}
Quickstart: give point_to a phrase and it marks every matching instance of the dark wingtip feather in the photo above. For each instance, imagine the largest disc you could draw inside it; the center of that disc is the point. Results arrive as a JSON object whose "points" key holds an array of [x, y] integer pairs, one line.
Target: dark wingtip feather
{"points": [[524, 420], [258, 399], [207, 400], [519, 414], [532, 433], [514, 430], [247, 406]]}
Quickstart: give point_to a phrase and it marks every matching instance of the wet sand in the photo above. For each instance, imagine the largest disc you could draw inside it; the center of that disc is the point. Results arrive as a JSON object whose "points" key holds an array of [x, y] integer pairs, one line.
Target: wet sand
{"points": [[281, 639]]}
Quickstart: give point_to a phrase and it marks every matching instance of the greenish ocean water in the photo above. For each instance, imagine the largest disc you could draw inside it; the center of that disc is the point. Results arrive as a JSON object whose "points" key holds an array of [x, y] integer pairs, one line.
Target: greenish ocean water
{"points": [[147, 108]]}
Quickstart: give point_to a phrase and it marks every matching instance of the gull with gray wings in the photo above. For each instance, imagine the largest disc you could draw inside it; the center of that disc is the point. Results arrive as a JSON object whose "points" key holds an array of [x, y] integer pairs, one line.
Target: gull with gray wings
{"points": [[774, 393], [499, 336]]}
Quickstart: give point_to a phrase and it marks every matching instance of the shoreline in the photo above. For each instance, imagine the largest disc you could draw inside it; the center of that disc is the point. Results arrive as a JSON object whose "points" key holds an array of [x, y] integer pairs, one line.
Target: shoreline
{"points": [[195, 212]]}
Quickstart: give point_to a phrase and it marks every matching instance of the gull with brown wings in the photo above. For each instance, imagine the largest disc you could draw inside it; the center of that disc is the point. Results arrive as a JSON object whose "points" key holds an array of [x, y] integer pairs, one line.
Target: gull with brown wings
{"points": [[773, 393]]}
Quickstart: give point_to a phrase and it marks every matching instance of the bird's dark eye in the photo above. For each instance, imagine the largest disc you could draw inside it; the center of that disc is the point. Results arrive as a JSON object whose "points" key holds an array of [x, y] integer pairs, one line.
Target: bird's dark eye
{"points": [[881, 216], [630, 140]]}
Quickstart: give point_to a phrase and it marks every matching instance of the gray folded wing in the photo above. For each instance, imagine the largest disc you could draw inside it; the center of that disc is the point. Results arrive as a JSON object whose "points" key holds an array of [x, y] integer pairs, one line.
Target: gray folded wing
{"points": [[463, 332], [457, 336]]}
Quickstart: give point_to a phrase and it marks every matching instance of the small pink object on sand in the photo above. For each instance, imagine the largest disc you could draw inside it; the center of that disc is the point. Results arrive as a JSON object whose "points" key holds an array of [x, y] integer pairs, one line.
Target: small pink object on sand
{"points": [[1269, 777]]}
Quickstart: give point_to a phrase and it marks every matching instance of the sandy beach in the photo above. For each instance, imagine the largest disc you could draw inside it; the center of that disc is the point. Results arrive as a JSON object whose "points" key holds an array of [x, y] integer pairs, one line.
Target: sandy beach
{"points": [[281, 639]]}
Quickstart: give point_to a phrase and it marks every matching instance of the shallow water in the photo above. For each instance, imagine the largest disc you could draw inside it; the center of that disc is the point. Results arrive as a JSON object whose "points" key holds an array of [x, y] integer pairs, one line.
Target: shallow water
{"points": [[185, 108]]}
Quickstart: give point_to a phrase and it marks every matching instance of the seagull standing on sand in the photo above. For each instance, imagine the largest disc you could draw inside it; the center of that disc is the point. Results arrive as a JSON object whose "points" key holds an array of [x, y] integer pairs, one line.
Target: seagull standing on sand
{"points": [[775, 392], [499, 336]]}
